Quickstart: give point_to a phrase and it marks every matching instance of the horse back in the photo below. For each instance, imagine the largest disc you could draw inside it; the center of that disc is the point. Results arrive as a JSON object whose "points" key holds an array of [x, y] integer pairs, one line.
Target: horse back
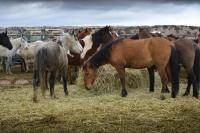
{"points": [[141, 53]]}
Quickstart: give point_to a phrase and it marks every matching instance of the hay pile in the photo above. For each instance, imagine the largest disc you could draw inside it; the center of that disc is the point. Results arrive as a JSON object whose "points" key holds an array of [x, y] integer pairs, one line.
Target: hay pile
{"points": [[107, 79]]}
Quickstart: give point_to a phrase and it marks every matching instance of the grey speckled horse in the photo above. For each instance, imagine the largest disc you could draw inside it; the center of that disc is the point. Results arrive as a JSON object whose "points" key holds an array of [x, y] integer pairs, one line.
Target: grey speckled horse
{"points": [[51, 58]]}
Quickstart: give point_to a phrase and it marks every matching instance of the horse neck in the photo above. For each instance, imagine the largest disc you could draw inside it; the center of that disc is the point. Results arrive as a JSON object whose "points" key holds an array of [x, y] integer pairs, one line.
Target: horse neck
{"points": [[16, 43], [68, 43], [97, 38], [101, 57]]}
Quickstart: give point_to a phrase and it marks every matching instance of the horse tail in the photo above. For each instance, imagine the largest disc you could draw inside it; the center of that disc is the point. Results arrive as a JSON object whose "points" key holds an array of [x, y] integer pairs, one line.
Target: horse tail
{"points": [[41, 60], [174, 66], [196, 66]]}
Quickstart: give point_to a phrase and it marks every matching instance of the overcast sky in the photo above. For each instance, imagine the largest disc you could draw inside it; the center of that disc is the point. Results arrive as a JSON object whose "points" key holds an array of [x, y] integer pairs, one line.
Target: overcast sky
{"points": [[100, 12]]}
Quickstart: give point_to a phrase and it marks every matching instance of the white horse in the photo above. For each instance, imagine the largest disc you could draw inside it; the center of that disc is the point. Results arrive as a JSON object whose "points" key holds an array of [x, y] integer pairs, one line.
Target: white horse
{"points": [[28, 52], [4, 52]]}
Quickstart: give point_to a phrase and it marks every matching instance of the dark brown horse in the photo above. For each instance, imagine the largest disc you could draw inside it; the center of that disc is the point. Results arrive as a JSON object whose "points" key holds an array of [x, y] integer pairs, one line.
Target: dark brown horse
{"points": [[189, 58], [5, 41], [137, 54], [196, 67], [97, 40]]}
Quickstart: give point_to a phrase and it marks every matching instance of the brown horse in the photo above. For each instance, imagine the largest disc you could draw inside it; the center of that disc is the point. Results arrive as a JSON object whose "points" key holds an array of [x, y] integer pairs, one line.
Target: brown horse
{"points": [[137, 54], [196, 67], [188, 56]]}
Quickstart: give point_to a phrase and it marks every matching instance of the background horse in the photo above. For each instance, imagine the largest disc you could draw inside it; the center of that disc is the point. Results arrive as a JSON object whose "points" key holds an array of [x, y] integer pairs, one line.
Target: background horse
{"points": [[188, 56], [16, 43], [97, 40], [75, 61], [100, 38], [5, 41], [137, 54], [51, 58], [196, 68], [28, 52]]}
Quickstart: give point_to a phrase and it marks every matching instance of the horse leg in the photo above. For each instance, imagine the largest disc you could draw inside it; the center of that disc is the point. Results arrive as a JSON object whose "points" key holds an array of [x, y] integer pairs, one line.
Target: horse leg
{"points": [[4, 64], [51, 83], [64, 76], [121, 73], [42, 84], [189, 83], [151, 79], [46, 80], [8, 65], [35, 85], [69, 74], [27, 65], [164, 79], [195, 85]]}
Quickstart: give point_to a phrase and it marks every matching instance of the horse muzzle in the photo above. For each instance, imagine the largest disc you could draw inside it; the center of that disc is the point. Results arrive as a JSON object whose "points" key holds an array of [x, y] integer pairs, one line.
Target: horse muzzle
{"points": [[88, 87]]}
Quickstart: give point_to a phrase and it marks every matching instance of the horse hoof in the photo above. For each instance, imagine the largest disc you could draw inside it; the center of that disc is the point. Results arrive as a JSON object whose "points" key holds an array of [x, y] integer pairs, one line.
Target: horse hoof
{"points": [[173, 95], [35, 100], [162, 97], [196, 96], [124, 93], [66, 93], [186, 94], [151, 90]]}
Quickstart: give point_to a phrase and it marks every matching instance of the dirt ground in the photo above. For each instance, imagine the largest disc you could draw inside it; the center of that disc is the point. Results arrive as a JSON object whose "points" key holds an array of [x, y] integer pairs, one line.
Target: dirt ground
{"points": [[86, 111]]}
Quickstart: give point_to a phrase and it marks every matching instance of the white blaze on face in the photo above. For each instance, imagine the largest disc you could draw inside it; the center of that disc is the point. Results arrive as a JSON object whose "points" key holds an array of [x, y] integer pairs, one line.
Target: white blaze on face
{"points": [[88, 45]]}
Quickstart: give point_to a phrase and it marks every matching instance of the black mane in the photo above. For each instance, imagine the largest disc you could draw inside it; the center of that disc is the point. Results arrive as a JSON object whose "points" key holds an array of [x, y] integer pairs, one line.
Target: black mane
{"points": [[103, 54], [102, 36]]}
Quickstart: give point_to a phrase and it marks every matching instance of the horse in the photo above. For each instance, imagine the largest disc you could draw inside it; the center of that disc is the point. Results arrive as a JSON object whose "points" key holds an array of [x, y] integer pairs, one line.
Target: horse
{"points": [[188, 56], [138, 54], [28, 52], [196, 67], [5, 41], [100, 38], [74, 61], [16, 43], [97, 40], [51, 58]]}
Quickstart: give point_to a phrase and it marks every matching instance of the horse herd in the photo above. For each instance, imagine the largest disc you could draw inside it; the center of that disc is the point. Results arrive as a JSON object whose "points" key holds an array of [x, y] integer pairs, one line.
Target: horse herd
{"points": [[92, 49]]}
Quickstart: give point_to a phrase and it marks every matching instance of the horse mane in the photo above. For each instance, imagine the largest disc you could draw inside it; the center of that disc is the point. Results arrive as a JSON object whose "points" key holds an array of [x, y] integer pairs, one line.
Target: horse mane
{"points": [[102, 55], [135, 37], [102, 36]]}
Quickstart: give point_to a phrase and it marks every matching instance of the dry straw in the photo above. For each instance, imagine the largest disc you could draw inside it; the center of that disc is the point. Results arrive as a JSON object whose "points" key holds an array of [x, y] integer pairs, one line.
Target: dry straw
{"points": [[107, 79]]}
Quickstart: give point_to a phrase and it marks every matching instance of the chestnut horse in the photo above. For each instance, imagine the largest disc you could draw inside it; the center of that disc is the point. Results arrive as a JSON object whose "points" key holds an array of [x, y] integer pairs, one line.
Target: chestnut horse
{"points": [[138, 54], [188, 56]]}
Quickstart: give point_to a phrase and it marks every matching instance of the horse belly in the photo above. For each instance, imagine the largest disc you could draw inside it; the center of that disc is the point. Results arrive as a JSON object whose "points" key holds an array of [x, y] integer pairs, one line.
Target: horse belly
{"points": [[139, 63]]}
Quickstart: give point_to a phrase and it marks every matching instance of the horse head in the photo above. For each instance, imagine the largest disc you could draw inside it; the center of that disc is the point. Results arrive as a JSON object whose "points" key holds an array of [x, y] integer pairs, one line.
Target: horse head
{"points": [[98, 39], [83, 32], [5, 41], [89, 75], [71, 43]]}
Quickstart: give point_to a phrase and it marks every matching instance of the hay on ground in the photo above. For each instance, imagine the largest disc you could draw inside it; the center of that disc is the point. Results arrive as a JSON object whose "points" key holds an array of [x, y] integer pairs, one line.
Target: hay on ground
{"points": [[107, 79]]}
